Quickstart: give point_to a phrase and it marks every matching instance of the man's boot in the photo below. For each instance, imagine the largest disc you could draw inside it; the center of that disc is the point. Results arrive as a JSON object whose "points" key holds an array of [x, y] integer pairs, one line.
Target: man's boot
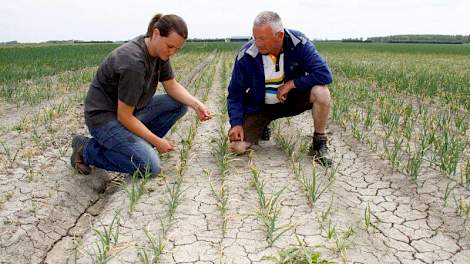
{"points": [[266, 133], [76, 160], [319, 150]]}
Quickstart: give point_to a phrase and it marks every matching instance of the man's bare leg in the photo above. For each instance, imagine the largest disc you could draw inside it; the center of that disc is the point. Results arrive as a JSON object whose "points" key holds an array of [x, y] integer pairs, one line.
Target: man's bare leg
{"points": [[321, 100], [320, 97]]}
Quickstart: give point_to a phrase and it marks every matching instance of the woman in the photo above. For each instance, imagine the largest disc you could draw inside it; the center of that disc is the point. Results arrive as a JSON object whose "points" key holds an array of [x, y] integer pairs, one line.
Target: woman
{"points": [[125, 119]]}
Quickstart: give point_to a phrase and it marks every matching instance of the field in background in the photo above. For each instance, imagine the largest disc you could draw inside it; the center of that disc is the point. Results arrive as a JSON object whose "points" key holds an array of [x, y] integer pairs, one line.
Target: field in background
{"points": [[400, 189]]}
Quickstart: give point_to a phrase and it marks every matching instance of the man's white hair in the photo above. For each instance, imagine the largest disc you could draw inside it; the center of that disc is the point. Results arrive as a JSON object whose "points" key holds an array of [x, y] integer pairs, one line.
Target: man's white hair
{"points": [[271, 18]]}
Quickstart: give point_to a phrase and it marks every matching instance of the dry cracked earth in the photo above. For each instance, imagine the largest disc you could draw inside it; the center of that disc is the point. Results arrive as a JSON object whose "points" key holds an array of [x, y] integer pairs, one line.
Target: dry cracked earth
{"points": [[50, 214]]}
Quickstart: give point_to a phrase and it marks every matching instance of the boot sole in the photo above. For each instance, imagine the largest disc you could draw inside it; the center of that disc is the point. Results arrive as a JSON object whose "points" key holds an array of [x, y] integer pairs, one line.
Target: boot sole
{"points": [[80, 167], [321, 160]]}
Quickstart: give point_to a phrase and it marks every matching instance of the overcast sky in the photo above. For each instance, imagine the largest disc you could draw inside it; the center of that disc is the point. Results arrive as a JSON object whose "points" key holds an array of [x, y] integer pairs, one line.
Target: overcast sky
{"points": [[42, 20]]}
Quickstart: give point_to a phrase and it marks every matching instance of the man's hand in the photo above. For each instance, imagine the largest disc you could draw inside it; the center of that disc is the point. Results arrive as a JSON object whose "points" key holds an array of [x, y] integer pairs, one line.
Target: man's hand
{"points": [[240, 147], [202, 112], [283, 90], [236, 133], [164, 146]]}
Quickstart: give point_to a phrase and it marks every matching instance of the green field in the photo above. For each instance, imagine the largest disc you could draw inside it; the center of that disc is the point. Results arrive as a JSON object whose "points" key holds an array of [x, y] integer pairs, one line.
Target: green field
{"points": [[399, 133], [407, 88], [415, 69]]}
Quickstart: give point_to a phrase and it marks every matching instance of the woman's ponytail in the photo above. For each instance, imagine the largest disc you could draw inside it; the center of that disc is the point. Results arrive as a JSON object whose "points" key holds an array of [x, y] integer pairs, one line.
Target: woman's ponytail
{"points": [[152, 24], [167, 24]]}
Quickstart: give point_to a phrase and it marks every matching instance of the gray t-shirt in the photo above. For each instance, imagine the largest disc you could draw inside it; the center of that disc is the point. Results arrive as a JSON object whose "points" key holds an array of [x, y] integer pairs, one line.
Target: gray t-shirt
{"points": [[129, 74]]}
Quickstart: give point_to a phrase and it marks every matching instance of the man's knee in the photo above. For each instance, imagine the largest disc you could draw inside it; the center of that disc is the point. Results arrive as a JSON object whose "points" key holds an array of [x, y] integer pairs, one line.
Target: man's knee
{"points": [[320, 94]]}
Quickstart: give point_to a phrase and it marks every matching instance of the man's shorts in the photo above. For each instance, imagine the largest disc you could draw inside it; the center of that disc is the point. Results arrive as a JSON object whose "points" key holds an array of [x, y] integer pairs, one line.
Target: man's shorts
{"points": [[296, 103]]}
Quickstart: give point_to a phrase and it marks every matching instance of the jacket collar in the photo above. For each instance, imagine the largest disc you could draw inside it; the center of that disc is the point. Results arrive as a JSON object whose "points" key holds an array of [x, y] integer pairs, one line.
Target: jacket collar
{"points": [[252, 50], [289, 39]]}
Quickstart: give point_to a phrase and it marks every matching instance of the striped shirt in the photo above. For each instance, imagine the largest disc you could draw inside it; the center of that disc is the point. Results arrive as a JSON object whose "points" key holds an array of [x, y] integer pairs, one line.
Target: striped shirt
{"points": [[273, 76]]}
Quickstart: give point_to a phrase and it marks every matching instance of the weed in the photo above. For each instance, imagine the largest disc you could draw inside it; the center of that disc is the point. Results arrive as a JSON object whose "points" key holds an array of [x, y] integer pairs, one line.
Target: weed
{"points": [[297, 255], [311, 186], [151, 255], [269, 210], [136, 188], [107, 238]]}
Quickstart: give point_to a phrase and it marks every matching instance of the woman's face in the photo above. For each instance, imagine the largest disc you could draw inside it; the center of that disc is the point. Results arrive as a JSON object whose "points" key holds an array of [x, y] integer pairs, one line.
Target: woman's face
{"points": [[165, 47]]}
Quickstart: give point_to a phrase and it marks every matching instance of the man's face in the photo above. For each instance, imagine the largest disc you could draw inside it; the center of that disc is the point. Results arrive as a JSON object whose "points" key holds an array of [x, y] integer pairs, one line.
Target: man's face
{"points": [[266, 41], [166, 47]]}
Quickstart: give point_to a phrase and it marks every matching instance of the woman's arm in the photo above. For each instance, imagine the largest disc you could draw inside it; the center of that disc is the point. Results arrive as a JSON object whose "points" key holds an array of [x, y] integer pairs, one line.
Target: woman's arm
{"points": [[126, 117], [179, 93]]}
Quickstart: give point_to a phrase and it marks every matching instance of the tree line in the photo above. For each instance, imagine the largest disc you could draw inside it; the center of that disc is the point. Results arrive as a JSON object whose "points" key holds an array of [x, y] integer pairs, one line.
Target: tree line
{"points": [[438, 39]]}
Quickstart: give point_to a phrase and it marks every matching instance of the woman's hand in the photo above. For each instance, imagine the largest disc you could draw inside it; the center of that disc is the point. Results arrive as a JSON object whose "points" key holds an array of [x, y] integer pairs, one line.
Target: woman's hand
{"points": [[179, 93], [202, 112], [164, 146]]}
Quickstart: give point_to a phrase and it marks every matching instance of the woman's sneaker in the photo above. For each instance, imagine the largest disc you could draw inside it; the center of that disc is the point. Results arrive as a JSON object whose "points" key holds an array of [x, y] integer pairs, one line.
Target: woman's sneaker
{"points": [[76, 160]]}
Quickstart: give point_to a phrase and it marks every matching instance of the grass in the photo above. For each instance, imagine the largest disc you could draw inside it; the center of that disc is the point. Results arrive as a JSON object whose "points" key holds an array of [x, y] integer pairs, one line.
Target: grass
{"points": [[10, 154], [466, 174], [447, 192], [107, 238], [5, 198], [368, 218], [413, 72], [340, 239], [46, 88], [450, 150], [393, 152], [222, 204], [136, 188], [30, 169], [175, 194], [151, 254], [286, 143], [463, 209], [221, 196], [296, 150], [414, 98], [24, 63], [174, 190], [311, 184], [326, 214], [221, 153], [300, 254], [269, 210], [46, 117], [269, 215], [405, 100], [342, 243], [330, 230], [187, 144]]}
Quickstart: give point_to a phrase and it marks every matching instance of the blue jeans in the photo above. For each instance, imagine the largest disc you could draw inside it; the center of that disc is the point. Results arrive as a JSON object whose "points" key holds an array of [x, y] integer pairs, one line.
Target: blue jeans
{"points": [[115, 148]]}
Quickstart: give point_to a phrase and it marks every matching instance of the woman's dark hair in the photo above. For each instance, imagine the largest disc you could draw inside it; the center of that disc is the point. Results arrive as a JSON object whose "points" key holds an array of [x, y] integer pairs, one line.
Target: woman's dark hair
{"points": [[167, 24]]}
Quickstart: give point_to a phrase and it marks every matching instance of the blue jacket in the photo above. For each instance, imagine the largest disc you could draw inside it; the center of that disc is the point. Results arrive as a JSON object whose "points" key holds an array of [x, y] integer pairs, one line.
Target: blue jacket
{"points": [[302, 64]]}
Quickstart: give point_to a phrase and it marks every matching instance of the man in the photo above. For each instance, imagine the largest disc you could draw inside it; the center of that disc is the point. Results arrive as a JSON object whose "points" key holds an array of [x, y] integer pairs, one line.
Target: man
{"points": [[277, 74]]}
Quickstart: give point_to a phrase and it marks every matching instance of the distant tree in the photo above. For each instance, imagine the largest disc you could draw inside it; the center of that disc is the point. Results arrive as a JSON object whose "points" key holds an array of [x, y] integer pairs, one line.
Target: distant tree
{"points": [[449, 39], [352, 40]]}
